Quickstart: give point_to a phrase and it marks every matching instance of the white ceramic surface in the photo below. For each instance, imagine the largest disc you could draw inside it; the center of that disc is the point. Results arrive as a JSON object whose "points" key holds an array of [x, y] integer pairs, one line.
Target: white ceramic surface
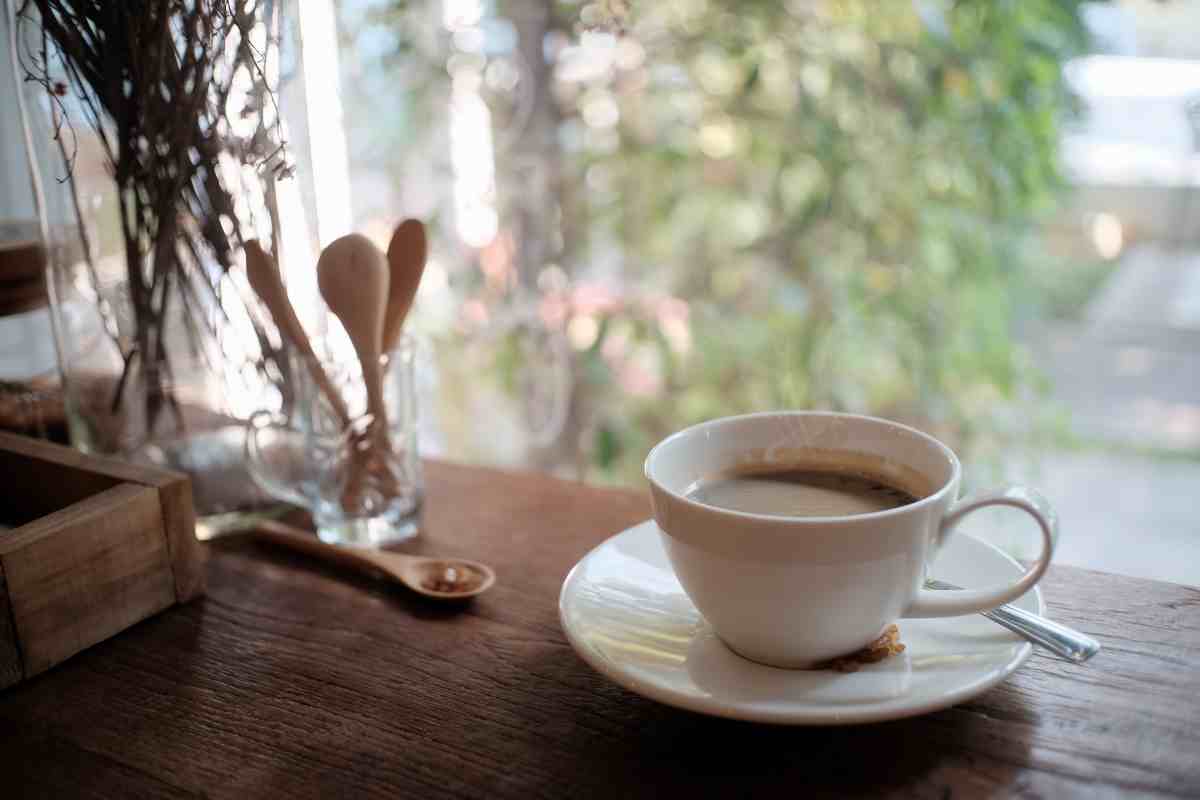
{"points": [[625, 613], [792, 591]]}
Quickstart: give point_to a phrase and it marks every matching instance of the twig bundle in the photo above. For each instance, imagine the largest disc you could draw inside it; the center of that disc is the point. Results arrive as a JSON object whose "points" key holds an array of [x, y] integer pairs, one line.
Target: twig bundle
{"points": [[155, 79]]}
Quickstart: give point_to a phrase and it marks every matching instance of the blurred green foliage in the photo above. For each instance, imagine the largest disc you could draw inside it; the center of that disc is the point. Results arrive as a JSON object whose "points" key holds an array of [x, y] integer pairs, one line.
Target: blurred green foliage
{"points": [[840, 195], [845, 194]]}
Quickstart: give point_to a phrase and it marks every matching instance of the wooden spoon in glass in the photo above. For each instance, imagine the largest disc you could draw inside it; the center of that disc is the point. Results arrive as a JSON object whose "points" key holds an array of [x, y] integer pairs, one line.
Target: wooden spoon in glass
{"points": [[406, 255], [353, 278], [263, 275], [439, 578]]}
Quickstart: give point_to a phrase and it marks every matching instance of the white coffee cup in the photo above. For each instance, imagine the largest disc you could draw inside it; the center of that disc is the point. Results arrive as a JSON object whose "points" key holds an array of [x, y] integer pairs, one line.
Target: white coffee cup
{"points": [[795, 591]]}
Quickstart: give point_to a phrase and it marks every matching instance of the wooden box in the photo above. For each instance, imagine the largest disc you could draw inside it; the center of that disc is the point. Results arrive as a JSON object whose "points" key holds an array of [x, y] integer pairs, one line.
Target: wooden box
{"points": [[98, 545]]}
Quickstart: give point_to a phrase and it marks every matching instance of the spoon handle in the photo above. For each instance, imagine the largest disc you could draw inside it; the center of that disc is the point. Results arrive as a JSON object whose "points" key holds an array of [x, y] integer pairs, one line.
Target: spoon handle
{"points": [[263, 275], [304, 542], [1064, 642]]}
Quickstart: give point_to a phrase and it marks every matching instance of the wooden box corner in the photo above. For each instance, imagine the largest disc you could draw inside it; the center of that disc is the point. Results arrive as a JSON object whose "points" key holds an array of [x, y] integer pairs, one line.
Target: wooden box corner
{"points": [[100, 544]]}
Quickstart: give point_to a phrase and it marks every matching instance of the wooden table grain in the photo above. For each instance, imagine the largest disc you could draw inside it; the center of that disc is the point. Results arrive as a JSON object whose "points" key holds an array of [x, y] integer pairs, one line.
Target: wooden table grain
{"points": [[291, 679]]}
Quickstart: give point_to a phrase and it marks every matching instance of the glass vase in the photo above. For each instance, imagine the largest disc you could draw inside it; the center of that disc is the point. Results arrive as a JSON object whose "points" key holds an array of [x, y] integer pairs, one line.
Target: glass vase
{"points": [[158, 367], [31, 397], [177, 395], [161, 349]]}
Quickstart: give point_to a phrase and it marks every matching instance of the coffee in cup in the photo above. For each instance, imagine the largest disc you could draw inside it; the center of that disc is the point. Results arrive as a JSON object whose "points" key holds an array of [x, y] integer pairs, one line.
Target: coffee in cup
{"points": [[827, 484]]}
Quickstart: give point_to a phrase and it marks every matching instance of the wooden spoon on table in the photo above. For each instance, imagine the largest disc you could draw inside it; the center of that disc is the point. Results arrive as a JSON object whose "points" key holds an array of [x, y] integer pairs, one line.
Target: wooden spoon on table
{"points": [[439, 578], [263, 273], [406, 255]]}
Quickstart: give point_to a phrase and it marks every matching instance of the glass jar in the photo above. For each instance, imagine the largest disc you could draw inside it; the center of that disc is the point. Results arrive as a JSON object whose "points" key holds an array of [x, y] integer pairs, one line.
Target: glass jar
{"points": [[361, 481]]}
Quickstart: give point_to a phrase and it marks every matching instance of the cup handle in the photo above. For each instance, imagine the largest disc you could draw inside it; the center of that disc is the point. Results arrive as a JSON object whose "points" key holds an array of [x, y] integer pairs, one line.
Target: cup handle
{"points": [[261, 422], [929, 603]]}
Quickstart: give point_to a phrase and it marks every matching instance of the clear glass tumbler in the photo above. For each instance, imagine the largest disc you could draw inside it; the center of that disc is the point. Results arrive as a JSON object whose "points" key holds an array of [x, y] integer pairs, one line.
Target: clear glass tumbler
{"points": [[363, 482]]}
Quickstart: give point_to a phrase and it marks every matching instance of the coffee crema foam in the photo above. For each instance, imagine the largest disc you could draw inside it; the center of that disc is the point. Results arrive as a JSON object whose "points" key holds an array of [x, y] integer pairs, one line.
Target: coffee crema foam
{"points": [[813, 484]]}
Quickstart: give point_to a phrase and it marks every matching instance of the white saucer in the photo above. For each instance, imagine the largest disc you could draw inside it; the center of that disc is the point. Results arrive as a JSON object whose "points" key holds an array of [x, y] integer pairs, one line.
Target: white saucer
{"points": [[626, 615]]}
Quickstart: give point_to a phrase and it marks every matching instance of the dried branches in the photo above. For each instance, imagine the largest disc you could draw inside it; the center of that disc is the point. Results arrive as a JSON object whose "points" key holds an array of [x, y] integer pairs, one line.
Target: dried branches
{"points": [[177, 94]]}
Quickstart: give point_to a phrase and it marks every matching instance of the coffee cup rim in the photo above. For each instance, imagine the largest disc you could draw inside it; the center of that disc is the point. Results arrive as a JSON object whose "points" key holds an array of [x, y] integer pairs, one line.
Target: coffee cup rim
{"points": [[933, 497]]}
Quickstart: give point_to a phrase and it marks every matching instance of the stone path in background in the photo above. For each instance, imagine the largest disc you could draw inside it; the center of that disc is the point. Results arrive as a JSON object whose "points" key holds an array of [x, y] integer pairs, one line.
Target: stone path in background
{"points": [[1118, 513], [1130, 373]]}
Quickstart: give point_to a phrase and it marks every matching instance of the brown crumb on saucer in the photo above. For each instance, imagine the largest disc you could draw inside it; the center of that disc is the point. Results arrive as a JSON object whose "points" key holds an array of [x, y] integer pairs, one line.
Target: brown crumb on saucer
{"points": [[888, 644]]}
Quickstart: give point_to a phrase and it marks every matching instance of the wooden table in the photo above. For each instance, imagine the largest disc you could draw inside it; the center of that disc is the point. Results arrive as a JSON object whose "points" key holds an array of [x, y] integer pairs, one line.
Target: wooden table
{"points": [[294, 680]]}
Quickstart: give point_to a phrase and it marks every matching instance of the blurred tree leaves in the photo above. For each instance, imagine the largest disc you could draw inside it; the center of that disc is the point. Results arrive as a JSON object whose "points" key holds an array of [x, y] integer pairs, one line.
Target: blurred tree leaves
{"points": [[845, 192]]}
